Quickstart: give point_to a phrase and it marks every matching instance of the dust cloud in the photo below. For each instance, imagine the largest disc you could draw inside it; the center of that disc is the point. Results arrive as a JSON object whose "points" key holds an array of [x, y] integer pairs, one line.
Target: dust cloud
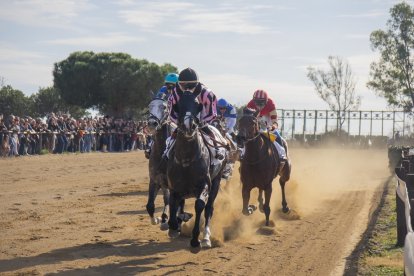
{"points": [[318, 175]]}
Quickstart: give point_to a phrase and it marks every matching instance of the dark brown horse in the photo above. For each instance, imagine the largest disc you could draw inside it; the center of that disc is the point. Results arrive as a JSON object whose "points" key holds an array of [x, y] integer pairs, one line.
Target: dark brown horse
{"points": [[259, 165]]}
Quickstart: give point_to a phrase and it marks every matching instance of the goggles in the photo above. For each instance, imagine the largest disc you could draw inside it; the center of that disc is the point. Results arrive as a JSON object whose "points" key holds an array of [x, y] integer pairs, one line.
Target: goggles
{"points": [[187, 85], [260, 102], [170, 86]]}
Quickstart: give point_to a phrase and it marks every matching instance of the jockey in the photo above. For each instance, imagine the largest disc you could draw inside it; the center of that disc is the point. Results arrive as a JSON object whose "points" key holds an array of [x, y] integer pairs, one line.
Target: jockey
{"points": [[188, 81], [169, 85], [268, 119], [229, 113], [164, 93]]}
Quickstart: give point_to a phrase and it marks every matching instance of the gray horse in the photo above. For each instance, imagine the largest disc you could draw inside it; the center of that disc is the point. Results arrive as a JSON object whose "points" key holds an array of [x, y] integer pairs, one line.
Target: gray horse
{"points": [[160, 129]]}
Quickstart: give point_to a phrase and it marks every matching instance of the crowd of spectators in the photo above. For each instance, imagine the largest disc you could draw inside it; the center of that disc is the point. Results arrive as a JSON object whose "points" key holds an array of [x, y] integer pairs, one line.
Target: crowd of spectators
{"points": [[59, 133]]}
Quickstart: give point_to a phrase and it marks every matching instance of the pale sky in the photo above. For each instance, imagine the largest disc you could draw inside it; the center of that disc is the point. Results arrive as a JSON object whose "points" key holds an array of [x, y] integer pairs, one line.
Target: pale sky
{"points": [[235, 46]]}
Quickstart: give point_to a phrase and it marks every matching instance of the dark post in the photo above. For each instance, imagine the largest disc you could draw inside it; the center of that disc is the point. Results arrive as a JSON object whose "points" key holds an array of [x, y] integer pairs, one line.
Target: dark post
{"points": [[304, 124], [316, 124], [360, 119], [293, 124], [370, 126], [326, 121]]}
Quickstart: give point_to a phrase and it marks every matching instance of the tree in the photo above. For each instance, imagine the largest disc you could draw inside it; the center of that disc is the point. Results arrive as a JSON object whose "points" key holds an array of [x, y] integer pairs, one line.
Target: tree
{"points": [[392, 76], [336, 86], [13, 101], [48, 100], [114, 83]]}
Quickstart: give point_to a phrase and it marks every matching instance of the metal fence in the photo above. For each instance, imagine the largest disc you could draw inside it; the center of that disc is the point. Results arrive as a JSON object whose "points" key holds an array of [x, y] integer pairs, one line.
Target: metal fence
{"points": [[294, 123]]}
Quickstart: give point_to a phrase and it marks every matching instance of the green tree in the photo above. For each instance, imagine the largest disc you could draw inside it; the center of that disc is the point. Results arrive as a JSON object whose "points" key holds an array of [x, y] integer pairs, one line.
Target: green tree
{"points": [[336, 86], [114, 83], [392, 76], [13, 101], [48, 100]]}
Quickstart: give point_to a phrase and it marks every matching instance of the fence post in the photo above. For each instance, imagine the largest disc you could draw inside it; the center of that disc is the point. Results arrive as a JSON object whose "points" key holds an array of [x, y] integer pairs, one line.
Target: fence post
{"points": [[393, 123], [293, 124], [370, 126], [304, 124], [326, 121], [315, 126], [360, 120], [403, 130], [349, 122], [382, 123], [283, 122]]}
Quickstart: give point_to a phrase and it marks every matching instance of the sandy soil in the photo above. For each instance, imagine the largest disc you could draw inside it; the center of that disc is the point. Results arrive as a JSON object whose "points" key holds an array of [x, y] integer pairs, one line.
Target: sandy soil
{"points": [[85, 214]]}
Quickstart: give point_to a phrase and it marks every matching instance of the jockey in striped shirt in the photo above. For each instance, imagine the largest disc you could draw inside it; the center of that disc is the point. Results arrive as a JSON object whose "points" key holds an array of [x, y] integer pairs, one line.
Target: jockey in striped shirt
{"points": [[188, 81]]}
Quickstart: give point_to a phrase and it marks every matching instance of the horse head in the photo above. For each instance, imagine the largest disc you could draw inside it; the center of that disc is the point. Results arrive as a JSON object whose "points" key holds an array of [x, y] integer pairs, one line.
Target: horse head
{"points": [[189, 109], [248, 127], [158, 113]]}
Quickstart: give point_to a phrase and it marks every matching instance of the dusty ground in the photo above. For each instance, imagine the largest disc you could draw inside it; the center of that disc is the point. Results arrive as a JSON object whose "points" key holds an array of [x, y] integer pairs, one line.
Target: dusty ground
{"points": [[85, 214]]}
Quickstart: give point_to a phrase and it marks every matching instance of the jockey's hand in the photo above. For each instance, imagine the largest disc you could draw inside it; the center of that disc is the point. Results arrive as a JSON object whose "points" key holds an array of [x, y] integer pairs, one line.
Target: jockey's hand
{"points": [[272, 128]]}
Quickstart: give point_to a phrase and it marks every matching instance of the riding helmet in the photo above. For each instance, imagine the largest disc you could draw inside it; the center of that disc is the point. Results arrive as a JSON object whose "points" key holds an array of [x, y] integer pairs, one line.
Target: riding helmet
{"points": [[171, 78], [260, 94], [222, 103], [188, 75]]}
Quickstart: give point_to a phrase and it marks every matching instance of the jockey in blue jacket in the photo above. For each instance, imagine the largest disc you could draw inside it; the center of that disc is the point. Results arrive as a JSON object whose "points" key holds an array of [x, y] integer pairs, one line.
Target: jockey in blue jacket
{"points": [[169, 85], [229, 113]]}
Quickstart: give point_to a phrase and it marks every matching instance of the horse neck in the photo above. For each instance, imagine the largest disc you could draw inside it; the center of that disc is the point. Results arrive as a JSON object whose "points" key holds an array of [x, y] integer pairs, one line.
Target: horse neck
{"points": [[160, 137], [255, 146]]}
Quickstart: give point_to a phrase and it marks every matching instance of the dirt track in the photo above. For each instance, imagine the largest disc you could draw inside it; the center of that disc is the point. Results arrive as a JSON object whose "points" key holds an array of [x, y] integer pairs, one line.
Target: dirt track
{"points": [[85, 214]]}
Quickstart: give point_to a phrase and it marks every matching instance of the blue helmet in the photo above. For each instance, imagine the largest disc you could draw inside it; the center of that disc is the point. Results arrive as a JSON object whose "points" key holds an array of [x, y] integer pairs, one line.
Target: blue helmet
{"points": [[222, 103], [171, 78]]}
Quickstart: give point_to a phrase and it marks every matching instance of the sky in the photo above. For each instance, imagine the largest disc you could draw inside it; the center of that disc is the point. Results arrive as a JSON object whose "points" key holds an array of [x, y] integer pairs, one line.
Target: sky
{"points": [[235, 46]]}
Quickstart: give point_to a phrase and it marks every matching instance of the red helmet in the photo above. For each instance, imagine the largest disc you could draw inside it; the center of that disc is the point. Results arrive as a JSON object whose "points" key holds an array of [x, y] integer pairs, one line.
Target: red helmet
{"points": [[260, 98], [260, 94]]}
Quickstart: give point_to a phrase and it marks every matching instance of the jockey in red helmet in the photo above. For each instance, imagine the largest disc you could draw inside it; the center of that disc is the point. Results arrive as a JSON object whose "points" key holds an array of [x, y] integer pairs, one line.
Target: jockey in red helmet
{"points": [[268, 118]]}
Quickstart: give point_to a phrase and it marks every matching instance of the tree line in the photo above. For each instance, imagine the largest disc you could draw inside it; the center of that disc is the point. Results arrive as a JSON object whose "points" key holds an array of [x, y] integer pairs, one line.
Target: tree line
{"points": [[115, 84]]}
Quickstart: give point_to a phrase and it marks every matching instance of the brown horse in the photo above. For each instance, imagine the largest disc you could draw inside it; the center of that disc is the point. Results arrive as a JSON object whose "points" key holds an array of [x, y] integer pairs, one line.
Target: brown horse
{"points": [[259, 165]]}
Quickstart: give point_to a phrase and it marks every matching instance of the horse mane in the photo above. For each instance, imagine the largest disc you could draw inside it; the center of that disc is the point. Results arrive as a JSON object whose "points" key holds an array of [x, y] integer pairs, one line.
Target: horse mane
{"points": [[250, 112]]}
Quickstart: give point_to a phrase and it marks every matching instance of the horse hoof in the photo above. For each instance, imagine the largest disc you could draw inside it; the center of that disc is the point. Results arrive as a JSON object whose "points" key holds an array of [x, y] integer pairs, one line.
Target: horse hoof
{"points": [[195, 243], [246, 212], [164, 226], [173, 233], [206, 243], [154, 221], [286, 210]]}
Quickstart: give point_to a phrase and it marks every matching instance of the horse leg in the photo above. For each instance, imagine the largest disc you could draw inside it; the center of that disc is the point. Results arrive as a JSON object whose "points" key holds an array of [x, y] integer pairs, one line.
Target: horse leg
{"points": [[282, 183], [208, 212], [260, 199], [266, 206], [200, 203], [173, 226], [247, 210], [164, 216], [152, 194]]}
